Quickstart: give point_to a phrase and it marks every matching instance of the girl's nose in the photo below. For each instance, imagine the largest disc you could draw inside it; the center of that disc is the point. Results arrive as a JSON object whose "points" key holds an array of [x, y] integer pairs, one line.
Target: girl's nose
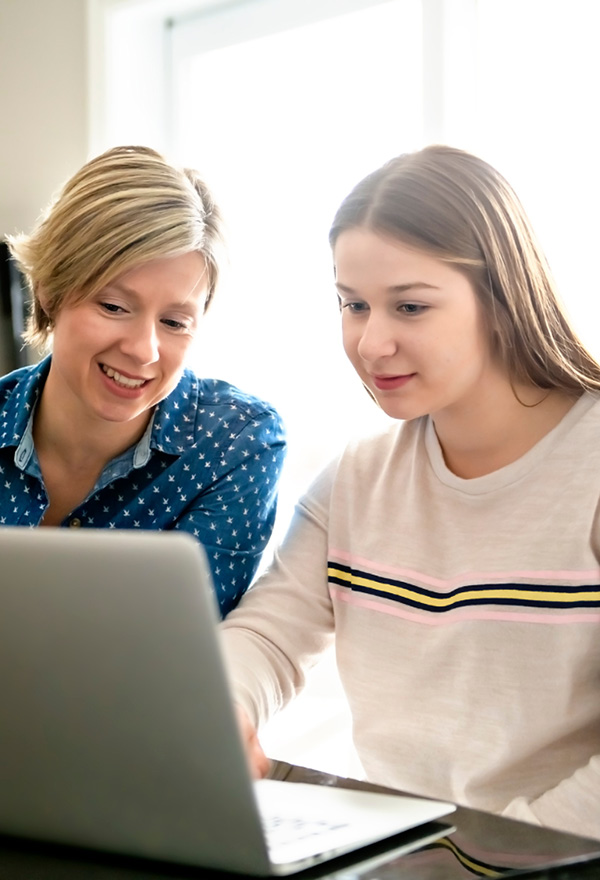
{"points": [[377, 339]]}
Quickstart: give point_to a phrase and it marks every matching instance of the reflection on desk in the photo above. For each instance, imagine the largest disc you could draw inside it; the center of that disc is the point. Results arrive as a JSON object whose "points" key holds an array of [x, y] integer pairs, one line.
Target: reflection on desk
{"points": [[481, 845], [476, 844]]}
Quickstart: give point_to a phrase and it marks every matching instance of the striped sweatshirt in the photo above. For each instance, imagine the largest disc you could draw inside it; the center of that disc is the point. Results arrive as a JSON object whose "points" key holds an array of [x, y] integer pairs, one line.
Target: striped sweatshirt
{"points": [[465, 613]]}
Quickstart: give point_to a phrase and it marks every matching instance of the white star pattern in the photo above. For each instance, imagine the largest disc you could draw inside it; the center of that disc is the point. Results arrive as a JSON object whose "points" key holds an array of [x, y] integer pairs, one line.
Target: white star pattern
{"points": [[239, 440]]}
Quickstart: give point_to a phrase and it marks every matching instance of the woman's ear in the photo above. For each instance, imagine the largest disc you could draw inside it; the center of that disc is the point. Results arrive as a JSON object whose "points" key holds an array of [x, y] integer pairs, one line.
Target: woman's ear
{"points": [[42, 299]]}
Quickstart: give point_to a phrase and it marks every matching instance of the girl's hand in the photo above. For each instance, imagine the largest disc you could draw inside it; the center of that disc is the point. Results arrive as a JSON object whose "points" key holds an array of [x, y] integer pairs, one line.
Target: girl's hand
{"points": [[257, 760]]}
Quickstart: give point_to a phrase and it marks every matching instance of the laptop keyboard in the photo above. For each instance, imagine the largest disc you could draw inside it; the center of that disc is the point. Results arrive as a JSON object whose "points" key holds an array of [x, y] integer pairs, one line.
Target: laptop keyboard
{"points": [[282, 830]]}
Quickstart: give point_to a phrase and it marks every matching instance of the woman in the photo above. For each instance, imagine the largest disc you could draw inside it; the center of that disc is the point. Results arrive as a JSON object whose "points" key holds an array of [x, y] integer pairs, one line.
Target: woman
{"points": [[112, 430], [455, 558]]}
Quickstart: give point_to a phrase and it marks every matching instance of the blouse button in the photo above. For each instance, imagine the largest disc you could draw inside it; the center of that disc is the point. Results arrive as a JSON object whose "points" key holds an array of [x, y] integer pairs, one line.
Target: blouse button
{"points": [[75, 523]]}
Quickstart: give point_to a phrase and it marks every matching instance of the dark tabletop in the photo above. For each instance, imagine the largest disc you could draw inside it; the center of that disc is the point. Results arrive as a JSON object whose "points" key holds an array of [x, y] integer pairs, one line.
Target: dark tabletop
{"points": [[467, 844]]}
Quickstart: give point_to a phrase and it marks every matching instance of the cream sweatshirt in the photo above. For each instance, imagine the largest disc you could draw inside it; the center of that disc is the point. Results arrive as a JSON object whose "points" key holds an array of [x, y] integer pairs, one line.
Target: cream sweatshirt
{"points": [[466, 618]]}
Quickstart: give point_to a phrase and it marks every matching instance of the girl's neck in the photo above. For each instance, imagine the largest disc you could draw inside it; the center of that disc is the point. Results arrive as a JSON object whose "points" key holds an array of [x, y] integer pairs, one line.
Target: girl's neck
{"points": [[509, 423]]}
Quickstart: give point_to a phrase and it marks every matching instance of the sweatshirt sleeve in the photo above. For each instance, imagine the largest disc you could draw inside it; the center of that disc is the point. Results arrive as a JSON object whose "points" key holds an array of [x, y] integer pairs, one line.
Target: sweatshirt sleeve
{"points": [[285, 621], [572, 805]]}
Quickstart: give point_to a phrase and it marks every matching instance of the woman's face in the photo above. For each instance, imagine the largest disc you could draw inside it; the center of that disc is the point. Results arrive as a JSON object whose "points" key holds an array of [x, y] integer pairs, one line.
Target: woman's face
{"points": [[412, 327], [117, 354]]}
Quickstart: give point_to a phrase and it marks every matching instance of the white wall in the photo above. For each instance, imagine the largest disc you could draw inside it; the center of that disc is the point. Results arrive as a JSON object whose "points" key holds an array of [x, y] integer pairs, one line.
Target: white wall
{"points": [[43, 103], [55, 103], [43, 111]]}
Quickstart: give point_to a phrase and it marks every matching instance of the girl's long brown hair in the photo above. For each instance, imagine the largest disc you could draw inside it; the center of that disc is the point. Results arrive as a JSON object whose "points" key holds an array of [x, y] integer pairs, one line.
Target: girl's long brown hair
{"points": [[459, 209]]}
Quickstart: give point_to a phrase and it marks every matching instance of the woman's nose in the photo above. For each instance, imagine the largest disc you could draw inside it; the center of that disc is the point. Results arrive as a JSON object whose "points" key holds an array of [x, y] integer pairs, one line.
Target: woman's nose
{"points": [[141, 342]]}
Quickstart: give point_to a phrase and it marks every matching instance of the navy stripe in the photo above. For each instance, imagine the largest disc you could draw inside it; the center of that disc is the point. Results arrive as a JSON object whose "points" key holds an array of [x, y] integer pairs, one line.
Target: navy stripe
{"points": [[562, 593]]}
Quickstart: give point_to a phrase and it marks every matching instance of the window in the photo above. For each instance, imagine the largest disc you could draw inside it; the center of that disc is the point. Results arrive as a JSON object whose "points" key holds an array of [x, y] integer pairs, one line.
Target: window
{"points": [[534, 116], [283, 116]]}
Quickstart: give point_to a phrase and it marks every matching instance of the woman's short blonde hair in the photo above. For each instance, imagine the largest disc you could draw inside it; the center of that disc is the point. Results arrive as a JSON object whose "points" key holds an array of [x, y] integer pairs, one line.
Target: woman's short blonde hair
{"points": [[459, 209], [121, 209]]}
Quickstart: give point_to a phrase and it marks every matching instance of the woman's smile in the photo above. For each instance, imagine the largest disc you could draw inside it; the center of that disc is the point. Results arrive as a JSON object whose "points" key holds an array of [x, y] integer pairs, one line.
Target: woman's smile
{"points": [[122, 379]]}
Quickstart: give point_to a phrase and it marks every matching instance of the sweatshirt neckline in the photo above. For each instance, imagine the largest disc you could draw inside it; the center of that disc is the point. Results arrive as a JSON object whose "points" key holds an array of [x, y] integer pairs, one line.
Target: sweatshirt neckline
{"points": [[512, 472]]}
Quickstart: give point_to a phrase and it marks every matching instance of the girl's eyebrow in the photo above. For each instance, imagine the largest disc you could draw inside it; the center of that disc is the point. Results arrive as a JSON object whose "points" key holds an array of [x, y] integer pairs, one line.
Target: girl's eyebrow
{"points": [[395, 289]]}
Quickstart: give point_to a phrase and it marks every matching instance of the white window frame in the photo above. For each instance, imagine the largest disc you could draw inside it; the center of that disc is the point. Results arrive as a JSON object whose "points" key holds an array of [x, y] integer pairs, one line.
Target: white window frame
{"points": [[129, 59]]}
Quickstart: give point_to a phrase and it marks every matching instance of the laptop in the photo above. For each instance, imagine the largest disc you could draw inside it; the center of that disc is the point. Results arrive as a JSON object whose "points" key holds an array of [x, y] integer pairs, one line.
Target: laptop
{"points": [[118, 731]]}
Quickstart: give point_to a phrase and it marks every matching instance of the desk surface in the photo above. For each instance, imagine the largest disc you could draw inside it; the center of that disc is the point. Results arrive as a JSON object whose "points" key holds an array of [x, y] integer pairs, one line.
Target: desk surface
{"points": [[479, 845]]}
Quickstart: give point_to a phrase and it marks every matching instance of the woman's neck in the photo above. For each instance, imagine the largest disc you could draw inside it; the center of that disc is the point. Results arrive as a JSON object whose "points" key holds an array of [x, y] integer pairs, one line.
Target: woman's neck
{"points": [[79, 443]]}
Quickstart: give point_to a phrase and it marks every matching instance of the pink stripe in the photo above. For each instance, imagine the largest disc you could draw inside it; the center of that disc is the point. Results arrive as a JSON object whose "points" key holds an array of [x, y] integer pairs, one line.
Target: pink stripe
{"points": [[476, 577], [456, 614]]}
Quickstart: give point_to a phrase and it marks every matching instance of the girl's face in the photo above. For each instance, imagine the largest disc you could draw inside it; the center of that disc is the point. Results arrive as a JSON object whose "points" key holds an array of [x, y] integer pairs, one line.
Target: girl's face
{"points": [[412, 327]]}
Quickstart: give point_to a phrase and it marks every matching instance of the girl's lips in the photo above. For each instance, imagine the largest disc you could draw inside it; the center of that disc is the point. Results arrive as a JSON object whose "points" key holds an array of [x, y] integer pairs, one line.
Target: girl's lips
{"points": [[389, 383]]}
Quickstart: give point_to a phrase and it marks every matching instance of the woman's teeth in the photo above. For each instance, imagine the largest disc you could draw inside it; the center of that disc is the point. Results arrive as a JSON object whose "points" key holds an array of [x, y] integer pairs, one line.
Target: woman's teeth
{"points": [[122, 380]]}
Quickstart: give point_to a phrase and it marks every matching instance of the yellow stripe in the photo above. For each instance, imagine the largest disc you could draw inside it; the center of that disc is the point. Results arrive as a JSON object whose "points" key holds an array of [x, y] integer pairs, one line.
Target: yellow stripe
{"points": [[446, 601], [482, 870]]}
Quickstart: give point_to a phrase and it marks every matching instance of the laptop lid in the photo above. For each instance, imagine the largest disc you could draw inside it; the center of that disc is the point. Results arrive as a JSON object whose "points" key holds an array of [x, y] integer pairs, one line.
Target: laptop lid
{"points": [[118, 729]]}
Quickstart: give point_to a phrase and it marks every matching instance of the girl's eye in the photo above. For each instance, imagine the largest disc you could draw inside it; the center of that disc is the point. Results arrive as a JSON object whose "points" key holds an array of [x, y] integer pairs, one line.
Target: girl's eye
{"points": [[113, 308], [355, 307], [411, 308]]}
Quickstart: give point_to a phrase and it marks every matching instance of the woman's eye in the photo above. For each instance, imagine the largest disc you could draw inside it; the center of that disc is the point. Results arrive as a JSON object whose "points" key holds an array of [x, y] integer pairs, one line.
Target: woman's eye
{"points": [[175, 325]]}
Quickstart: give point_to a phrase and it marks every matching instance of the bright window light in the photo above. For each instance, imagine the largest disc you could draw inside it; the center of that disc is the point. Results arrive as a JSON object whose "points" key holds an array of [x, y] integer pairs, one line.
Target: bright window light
{"points": [[533, 113], [282, 126]]}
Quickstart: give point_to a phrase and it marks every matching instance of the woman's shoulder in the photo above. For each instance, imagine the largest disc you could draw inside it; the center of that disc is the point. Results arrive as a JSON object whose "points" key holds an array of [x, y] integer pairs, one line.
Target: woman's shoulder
{"points": [[198, 400], [24, 380]]}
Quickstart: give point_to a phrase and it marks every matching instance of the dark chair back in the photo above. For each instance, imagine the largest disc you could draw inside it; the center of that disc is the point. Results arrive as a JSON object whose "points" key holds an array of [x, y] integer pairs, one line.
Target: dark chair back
{"points": [[14, 303]]}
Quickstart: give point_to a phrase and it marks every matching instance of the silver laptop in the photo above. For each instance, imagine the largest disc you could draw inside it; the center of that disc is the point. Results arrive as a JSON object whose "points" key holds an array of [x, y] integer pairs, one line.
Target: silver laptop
{"points": [[118, 731]]}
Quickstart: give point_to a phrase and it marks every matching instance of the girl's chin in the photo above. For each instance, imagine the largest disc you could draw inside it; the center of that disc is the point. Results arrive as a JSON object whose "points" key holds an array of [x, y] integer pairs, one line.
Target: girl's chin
{"points": [[398, 411]]}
